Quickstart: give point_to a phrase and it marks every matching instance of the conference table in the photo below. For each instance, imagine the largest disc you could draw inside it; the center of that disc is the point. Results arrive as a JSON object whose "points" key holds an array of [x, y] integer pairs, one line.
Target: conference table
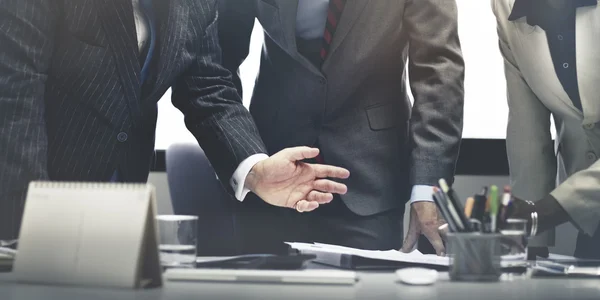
{"points": [[372, 285]]}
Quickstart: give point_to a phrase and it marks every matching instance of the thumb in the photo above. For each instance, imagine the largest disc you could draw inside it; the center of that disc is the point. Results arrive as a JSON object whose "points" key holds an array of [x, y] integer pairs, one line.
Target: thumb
{"points": [[300, 153]]}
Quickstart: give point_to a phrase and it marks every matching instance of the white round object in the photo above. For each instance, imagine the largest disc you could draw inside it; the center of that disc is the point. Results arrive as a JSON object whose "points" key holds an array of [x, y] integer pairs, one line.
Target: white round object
{"points": [[417, 276]]}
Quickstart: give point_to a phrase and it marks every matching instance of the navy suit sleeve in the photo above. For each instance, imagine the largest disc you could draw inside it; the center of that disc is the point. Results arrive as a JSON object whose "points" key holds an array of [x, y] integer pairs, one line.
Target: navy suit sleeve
{"points": [[236, 21], [26, 43], [212, 107]]}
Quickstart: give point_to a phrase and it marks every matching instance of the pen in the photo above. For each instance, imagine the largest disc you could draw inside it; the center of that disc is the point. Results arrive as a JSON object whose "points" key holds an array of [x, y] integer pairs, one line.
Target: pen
{"points": [[484, 191], [454, 206], [479, 207], [438, 197], [476, 225], [506, 204], [493, 208], [469, 206]]}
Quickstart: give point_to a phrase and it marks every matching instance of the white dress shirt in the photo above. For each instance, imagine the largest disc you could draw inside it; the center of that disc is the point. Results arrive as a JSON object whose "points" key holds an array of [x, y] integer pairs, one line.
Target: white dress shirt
{"points": [[311, 18], [141, 26]]}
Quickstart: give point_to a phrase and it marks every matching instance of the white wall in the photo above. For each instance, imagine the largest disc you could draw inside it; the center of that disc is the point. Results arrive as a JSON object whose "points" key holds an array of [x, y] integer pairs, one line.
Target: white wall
{"points": [[170, 127]]}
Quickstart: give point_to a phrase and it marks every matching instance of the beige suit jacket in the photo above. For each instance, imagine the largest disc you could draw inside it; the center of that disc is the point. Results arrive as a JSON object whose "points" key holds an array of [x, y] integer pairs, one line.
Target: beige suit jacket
{"points": [[568, 168]]}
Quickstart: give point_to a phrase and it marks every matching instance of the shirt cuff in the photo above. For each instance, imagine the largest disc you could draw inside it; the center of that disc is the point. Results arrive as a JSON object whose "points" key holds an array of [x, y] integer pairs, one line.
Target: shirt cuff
{"points": [[238, 180], [421, 193]]}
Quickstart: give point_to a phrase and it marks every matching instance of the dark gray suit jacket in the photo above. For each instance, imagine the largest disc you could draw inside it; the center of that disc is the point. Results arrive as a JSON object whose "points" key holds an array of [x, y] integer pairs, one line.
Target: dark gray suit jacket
{"points": [[72, 106], [356, 107]]}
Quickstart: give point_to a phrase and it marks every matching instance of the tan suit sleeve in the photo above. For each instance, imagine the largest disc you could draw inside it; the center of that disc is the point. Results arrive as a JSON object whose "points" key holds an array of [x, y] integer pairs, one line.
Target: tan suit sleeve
{"points": [[579, 195], [530, 149]]}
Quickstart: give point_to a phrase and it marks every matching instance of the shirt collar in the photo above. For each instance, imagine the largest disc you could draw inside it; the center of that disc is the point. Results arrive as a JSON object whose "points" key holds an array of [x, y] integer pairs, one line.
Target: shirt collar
{"points": [[525, 8]]}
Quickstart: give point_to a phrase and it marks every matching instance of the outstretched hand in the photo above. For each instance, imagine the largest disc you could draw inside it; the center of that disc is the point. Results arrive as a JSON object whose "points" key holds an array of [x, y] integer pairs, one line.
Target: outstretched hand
{"points": [[285, 180]]}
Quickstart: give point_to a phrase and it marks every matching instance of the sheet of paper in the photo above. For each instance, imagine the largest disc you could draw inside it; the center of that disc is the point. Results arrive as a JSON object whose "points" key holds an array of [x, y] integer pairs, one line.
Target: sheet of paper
{"points": [[7, 253], [201, 259], [514, 257], [391, 255], [560, 257]]}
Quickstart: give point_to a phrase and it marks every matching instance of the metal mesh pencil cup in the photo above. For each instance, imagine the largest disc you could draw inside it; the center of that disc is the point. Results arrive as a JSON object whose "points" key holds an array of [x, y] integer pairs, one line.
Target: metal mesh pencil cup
{"points": [[474, 256]]}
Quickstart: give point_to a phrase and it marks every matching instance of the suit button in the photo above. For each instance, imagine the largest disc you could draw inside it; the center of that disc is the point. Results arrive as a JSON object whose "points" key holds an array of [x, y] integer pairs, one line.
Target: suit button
{"points": [[322, 81], [591, 156], [589, 126], [122, 137]]}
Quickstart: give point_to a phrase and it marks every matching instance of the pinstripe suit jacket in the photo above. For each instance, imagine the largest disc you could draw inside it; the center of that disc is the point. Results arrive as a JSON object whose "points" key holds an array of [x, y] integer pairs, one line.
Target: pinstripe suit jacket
{"points": [[72, 106]]}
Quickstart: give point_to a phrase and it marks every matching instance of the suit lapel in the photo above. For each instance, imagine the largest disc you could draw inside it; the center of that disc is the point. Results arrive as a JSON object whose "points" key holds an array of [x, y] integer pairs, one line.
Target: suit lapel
{"points": [[352, 11], [118, 22], [535, 46], [288, 9]]}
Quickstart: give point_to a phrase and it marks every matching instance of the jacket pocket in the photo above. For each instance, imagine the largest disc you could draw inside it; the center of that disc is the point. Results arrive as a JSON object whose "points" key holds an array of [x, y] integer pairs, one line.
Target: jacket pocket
{"points": [[383, 116], [270, 2]]}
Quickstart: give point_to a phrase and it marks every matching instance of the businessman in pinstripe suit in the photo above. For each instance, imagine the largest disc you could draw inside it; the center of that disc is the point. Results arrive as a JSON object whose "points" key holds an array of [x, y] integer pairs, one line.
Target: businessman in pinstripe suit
{"points": [[79, 82]]}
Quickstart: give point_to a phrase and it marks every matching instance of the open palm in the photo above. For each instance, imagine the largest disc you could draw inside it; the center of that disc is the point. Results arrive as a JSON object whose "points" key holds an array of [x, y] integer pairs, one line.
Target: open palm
{"points": [[284, 180]]}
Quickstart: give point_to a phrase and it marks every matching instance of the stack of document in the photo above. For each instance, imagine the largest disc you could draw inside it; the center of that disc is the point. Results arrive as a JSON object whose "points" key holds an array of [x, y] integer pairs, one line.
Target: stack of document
{"points": [[7, 256], [351, 258]]}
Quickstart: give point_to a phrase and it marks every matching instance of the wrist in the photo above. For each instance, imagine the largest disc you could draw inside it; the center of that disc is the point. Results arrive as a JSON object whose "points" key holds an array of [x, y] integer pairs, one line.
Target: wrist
{"points": [[550, 213], [523, 210], [252, 180], [532, 219]]}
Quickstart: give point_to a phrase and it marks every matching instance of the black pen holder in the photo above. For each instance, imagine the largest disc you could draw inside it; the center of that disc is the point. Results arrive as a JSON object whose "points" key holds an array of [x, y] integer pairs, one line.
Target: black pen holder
{"points": [[474, 256]]}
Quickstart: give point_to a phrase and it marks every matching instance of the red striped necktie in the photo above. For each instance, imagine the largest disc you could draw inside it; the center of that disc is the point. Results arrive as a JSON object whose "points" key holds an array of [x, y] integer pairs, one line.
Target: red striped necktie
{"points": [[334, 13]]}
